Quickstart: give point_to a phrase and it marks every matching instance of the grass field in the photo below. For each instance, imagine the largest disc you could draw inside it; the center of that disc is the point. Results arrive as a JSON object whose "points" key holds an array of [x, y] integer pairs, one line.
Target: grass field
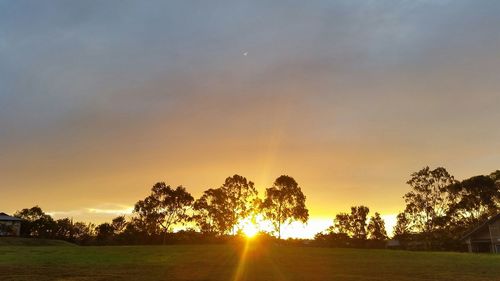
{"points": [[229, 262]]}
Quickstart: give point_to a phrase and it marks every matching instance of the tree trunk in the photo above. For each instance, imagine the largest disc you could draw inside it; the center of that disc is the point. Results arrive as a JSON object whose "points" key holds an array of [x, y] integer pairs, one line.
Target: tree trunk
{"points": [[279, 229], [279, 222]]}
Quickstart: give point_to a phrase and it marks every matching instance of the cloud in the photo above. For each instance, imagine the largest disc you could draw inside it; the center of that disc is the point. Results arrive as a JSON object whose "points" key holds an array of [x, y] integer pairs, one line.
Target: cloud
{"points": [[125, 211], [100, 100], [103, 212]]}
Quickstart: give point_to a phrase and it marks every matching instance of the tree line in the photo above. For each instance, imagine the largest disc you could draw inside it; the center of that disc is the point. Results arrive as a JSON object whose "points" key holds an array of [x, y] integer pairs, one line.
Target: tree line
{"points": [[215, 215], [354, 230], [438, 210]]}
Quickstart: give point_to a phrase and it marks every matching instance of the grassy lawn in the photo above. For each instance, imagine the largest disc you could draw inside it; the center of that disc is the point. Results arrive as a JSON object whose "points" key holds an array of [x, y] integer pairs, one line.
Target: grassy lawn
{"points": [[227, 262]]}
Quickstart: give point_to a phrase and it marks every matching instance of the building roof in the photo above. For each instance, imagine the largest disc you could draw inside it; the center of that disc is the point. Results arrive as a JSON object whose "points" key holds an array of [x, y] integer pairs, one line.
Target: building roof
{"points": [[5, 217], [481, 226]]}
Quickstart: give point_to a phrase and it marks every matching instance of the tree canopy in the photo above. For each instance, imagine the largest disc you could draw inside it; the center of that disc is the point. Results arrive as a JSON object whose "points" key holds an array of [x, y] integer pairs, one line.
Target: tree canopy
{"points": [[284, 203], [428, 201], [376, 228], [212, 212], [241, 199], [164, 207]]}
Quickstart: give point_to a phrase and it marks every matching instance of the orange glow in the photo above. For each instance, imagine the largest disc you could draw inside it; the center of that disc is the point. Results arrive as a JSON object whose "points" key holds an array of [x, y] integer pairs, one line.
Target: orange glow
{"points": [[250, 230], [250, 226], [87, 137]]}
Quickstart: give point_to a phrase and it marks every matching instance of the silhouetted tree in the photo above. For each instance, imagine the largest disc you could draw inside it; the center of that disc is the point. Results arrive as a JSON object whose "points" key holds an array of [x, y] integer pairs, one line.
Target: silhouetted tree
{"points": [[164, 207], [350, 229], [83, 232], [428, 202], [376, 228], [342, 224], [36, 223], [474, 200], [353, 225], [495, 176], [403, 225], [64, 229], [104, 232], [284, 203], [211, 212], [119, 223], [136, 232], [241, 199], [359, 215]]}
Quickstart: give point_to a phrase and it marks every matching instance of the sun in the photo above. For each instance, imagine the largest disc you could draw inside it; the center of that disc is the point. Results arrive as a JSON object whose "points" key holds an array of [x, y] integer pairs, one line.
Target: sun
{"points": [[249, 227], [250, 230]]}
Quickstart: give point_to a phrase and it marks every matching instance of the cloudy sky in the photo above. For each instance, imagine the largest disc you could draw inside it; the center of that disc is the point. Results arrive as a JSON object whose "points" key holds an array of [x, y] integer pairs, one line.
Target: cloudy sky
{"points": [[101, 99]]}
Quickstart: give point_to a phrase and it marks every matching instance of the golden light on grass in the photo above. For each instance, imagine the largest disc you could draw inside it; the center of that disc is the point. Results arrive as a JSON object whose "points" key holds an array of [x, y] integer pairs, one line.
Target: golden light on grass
{"points": [[240, 268]]}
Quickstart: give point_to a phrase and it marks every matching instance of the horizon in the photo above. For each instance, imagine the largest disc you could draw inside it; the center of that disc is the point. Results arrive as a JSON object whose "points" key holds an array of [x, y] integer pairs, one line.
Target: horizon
{"points": [[293, 230], [101, 100]]}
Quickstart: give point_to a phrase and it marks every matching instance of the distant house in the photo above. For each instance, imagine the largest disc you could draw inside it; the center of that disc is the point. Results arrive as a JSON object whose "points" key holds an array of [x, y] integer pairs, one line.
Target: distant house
{"points": [[485, 238], [9, 226]]}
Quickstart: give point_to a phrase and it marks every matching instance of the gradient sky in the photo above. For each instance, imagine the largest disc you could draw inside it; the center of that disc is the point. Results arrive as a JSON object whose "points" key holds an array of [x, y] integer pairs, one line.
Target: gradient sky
{"points": [[101, 99]]}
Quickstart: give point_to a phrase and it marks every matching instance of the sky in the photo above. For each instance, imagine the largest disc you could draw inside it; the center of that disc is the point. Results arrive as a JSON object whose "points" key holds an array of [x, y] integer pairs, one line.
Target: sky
{"points": [[99, 100]]}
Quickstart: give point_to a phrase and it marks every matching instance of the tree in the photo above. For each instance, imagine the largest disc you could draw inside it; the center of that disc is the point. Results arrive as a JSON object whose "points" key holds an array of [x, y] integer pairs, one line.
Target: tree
{"points": [[83, 232], [211, 212], [119, 223], [31, 214], [284, 203], [104, 232], [358, 221], [474, 199], [376, 228], [353, 225], [402, 227], [36, 223], [495, 176], [148, 218], [164, 208], [427, 203], [241, 200], [135, 232], [342, 224], [64, 229]]}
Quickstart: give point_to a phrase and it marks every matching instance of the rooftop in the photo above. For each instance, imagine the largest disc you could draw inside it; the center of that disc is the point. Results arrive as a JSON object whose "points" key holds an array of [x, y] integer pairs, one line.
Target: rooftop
{"points": [[480, 227], [5, 217]]}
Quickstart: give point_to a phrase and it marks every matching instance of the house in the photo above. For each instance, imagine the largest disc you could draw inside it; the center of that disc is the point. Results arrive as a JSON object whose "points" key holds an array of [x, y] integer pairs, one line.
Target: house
{"points": [[9, 226], [485, 238]]}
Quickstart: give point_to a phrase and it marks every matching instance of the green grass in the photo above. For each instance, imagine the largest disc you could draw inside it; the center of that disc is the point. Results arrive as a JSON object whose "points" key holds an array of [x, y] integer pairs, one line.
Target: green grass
{"points": [[220, 262]]}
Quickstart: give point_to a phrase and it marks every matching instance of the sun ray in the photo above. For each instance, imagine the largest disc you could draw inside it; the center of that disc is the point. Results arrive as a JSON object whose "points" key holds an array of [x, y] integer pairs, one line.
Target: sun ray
{"points": [[240, 268]]}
